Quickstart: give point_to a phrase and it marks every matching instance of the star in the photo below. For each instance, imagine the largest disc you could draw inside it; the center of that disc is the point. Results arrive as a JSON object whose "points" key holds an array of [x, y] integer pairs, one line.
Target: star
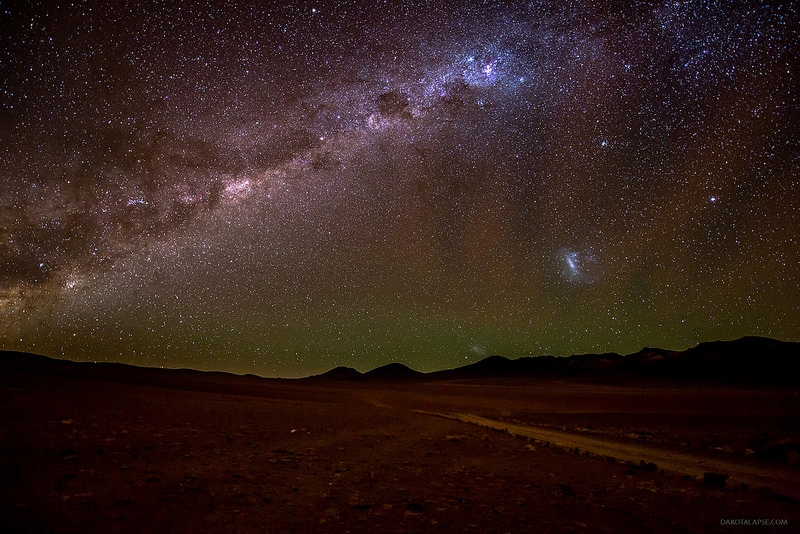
{"points": [[249, 189]]}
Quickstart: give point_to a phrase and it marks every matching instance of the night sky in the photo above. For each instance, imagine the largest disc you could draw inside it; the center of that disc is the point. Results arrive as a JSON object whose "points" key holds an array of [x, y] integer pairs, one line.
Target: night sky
{"points": [[278, 188]]}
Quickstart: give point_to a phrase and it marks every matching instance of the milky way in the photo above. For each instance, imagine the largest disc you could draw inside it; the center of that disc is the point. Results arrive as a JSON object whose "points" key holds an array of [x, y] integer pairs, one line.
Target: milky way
{"points": [[283, 188]]}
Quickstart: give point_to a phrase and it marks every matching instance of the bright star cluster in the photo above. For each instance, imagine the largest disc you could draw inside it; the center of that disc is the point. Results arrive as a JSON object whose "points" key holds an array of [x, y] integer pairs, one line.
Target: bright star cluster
{"points": [[279, 188]]}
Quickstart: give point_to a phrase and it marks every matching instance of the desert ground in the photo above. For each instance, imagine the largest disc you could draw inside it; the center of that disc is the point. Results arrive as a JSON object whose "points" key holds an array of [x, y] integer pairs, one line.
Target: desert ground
{"points": [[93, 455]]}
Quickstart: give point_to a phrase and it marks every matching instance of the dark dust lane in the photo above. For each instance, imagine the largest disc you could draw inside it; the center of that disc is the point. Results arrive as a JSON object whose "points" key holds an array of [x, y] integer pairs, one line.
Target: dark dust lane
{"points": [[782, 480]]}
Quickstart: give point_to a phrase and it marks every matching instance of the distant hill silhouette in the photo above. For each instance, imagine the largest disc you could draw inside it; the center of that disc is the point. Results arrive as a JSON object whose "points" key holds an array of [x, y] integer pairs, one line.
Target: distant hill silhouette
{"points": [[339, 373], [390, 372], [749, 361], [188, 379], [394, 372]]}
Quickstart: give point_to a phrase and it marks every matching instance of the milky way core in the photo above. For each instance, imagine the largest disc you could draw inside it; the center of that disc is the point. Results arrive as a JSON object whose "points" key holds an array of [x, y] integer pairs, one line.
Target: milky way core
{"points": [[280, 188]]}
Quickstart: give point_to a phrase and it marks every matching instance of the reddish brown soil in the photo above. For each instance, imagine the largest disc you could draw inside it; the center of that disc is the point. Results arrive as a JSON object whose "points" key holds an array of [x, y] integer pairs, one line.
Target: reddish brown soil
{"points": [[93, 456]]}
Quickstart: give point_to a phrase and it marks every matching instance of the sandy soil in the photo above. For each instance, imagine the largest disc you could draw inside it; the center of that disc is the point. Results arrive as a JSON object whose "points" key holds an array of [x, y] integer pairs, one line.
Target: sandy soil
{"points": [[93, 456], [651, 456]]}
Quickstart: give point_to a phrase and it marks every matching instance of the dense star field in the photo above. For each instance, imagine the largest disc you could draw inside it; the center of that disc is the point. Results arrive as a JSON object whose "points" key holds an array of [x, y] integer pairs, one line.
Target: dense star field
{"points": [[280, 188]]}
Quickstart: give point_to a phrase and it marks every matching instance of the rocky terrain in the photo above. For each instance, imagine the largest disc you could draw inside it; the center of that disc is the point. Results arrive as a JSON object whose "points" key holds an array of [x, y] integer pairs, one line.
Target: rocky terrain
{"points": [[96, 451]]}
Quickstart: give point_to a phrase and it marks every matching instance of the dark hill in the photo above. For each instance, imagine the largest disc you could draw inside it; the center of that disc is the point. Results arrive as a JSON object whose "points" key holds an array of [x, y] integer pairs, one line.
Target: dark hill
{"points": [[500, 367], [748, 362], [393, 371], [188, 379], [491, 367], [756, 359], [338, 373]]}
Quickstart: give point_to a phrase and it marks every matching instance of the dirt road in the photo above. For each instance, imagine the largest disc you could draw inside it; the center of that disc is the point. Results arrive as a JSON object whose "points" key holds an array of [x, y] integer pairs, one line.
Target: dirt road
{"points": [[784, 481]]}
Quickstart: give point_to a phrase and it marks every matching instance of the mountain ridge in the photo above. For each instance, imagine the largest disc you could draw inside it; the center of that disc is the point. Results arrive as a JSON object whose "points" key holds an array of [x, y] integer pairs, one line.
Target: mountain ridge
{"points": [[748, 361]]}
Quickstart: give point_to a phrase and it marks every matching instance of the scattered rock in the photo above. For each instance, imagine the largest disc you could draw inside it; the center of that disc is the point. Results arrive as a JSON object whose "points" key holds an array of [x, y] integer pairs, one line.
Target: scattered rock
{"points": [[648, 467], [414, 506], [566, 489], [715, 480], [780, 497]]}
